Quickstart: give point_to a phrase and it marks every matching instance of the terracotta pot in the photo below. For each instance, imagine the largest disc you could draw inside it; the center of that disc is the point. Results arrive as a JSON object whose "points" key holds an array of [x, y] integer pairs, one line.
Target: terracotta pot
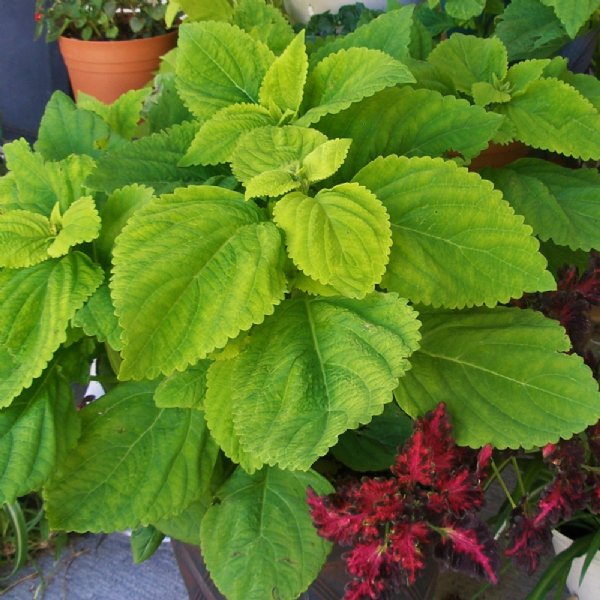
{"points": [[108, 69], [588, 589], [496, 155], [328, 586]]}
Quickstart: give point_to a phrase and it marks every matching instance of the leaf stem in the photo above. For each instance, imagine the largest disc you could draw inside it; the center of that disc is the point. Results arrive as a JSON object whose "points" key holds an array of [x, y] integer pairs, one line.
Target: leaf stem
{"points": [[503, 484]]}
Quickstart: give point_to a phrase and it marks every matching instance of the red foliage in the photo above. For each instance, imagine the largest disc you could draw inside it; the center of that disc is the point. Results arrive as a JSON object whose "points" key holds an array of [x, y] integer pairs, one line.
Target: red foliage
{"points": [[430, 500]]}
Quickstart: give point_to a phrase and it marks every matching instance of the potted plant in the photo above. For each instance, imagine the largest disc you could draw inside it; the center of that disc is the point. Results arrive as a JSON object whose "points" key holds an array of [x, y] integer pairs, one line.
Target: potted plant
{"points": [[287, 252], [109, 46]]}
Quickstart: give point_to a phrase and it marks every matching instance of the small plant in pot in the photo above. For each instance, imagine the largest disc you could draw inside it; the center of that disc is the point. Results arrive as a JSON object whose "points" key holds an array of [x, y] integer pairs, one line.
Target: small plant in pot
{"points": [[109, 46], [288, 252]]}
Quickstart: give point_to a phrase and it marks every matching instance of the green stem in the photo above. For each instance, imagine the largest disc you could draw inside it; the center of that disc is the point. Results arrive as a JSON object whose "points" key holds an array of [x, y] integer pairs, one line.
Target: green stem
{"points": [[518, 473], [503, 485]]}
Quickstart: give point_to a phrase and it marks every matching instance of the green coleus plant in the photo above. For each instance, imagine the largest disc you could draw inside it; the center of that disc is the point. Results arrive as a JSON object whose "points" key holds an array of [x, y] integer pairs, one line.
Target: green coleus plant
{"points": [[280, 263]]}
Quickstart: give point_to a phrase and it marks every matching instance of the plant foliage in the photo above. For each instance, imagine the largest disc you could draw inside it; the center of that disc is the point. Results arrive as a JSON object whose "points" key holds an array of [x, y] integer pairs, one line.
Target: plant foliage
{"points": [[289, 244]]}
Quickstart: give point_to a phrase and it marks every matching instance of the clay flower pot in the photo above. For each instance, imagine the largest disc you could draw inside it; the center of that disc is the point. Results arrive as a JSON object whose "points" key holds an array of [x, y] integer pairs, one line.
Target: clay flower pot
{"points": [[108, 69]]}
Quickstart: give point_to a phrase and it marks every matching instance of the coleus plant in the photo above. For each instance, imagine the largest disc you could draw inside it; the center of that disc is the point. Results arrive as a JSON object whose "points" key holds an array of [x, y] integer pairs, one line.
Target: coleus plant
{"points": [[246, 267]]}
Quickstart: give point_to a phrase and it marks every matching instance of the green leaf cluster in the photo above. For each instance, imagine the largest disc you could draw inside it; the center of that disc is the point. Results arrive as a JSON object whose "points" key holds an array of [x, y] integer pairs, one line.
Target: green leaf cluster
{"points": [[286, 260]]}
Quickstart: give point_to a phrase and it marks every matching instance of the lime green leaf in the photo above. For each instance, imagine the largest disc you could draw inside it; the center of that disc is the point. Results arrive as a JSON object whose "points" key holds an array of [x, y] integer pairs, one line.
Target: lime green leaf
{"points": [[152, 161], [469, 59], [122, 116], [24, 238], [341, 237], [227, 276], [272, 183], [145, 541], [454, 227], [97, 318], [40, 184], [274, 148], [463, 10], [309, 285], [419, 123], [218, 65], [9, 193], [573, 15], [317, 367], [217, 138], [67, 129], [119, 207], [275, 552], [325, 160], [529, 29], [219, 404], [505, 376], [485, 93], [183, 390], [571, 215], [160, 460], [80, 223], [283, 85], [36, 432], [213, 10], [551, 115], [41, 300], [374, 446], [264, 23], [390, 33], [346, 77], [522, 74]]}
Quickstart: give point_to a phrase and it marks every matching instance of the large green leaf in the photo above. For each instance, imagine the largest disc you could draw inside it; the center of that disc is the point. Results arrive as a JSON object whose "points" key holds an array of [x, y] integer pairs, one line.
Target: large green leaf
{"points": [[551, 115], [504, 375], [217, 65], [317, 367], [346, 77], [37, 305], [41, 184], [341, 237], [192, 270], [468, 59], [97, 318], [389, 32], [418, 123], [456, 241], [151, 161], [264, 23], [183, 390], [274, 148], [217, 138], [159, 461], [529, 29], [283, 86], [36, 432], [67, 129], [559, 203], [213, 10], [275, 552], [573, 15]]}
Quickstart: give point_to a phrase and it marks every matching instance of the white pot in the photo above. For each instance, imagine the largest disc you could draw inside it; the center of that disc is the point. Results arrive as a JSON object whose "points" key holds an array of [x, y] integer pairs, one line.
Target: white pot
{"points": [[301, 11], [590, 586]]}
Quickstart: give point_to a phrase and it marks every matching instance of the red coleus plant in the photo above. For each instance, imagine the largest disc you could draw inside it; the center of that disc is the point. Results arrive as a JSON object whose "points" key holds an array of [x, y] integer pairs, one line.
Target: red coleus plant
{"points": [[427, 506]]}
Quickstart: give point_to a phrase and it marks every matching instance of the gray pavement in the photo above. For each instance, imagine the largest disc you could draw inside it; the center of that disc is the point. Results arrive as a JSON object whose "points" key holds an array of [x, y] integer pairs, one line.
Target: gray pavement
{"points": [[97, 567]]}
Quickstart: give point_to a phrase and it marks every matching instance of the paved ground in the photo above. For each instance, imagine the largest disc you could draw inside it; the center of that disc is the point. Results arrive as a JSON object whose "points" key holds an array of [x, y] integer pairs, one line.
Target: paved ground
{"points": [[100, 568]]}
